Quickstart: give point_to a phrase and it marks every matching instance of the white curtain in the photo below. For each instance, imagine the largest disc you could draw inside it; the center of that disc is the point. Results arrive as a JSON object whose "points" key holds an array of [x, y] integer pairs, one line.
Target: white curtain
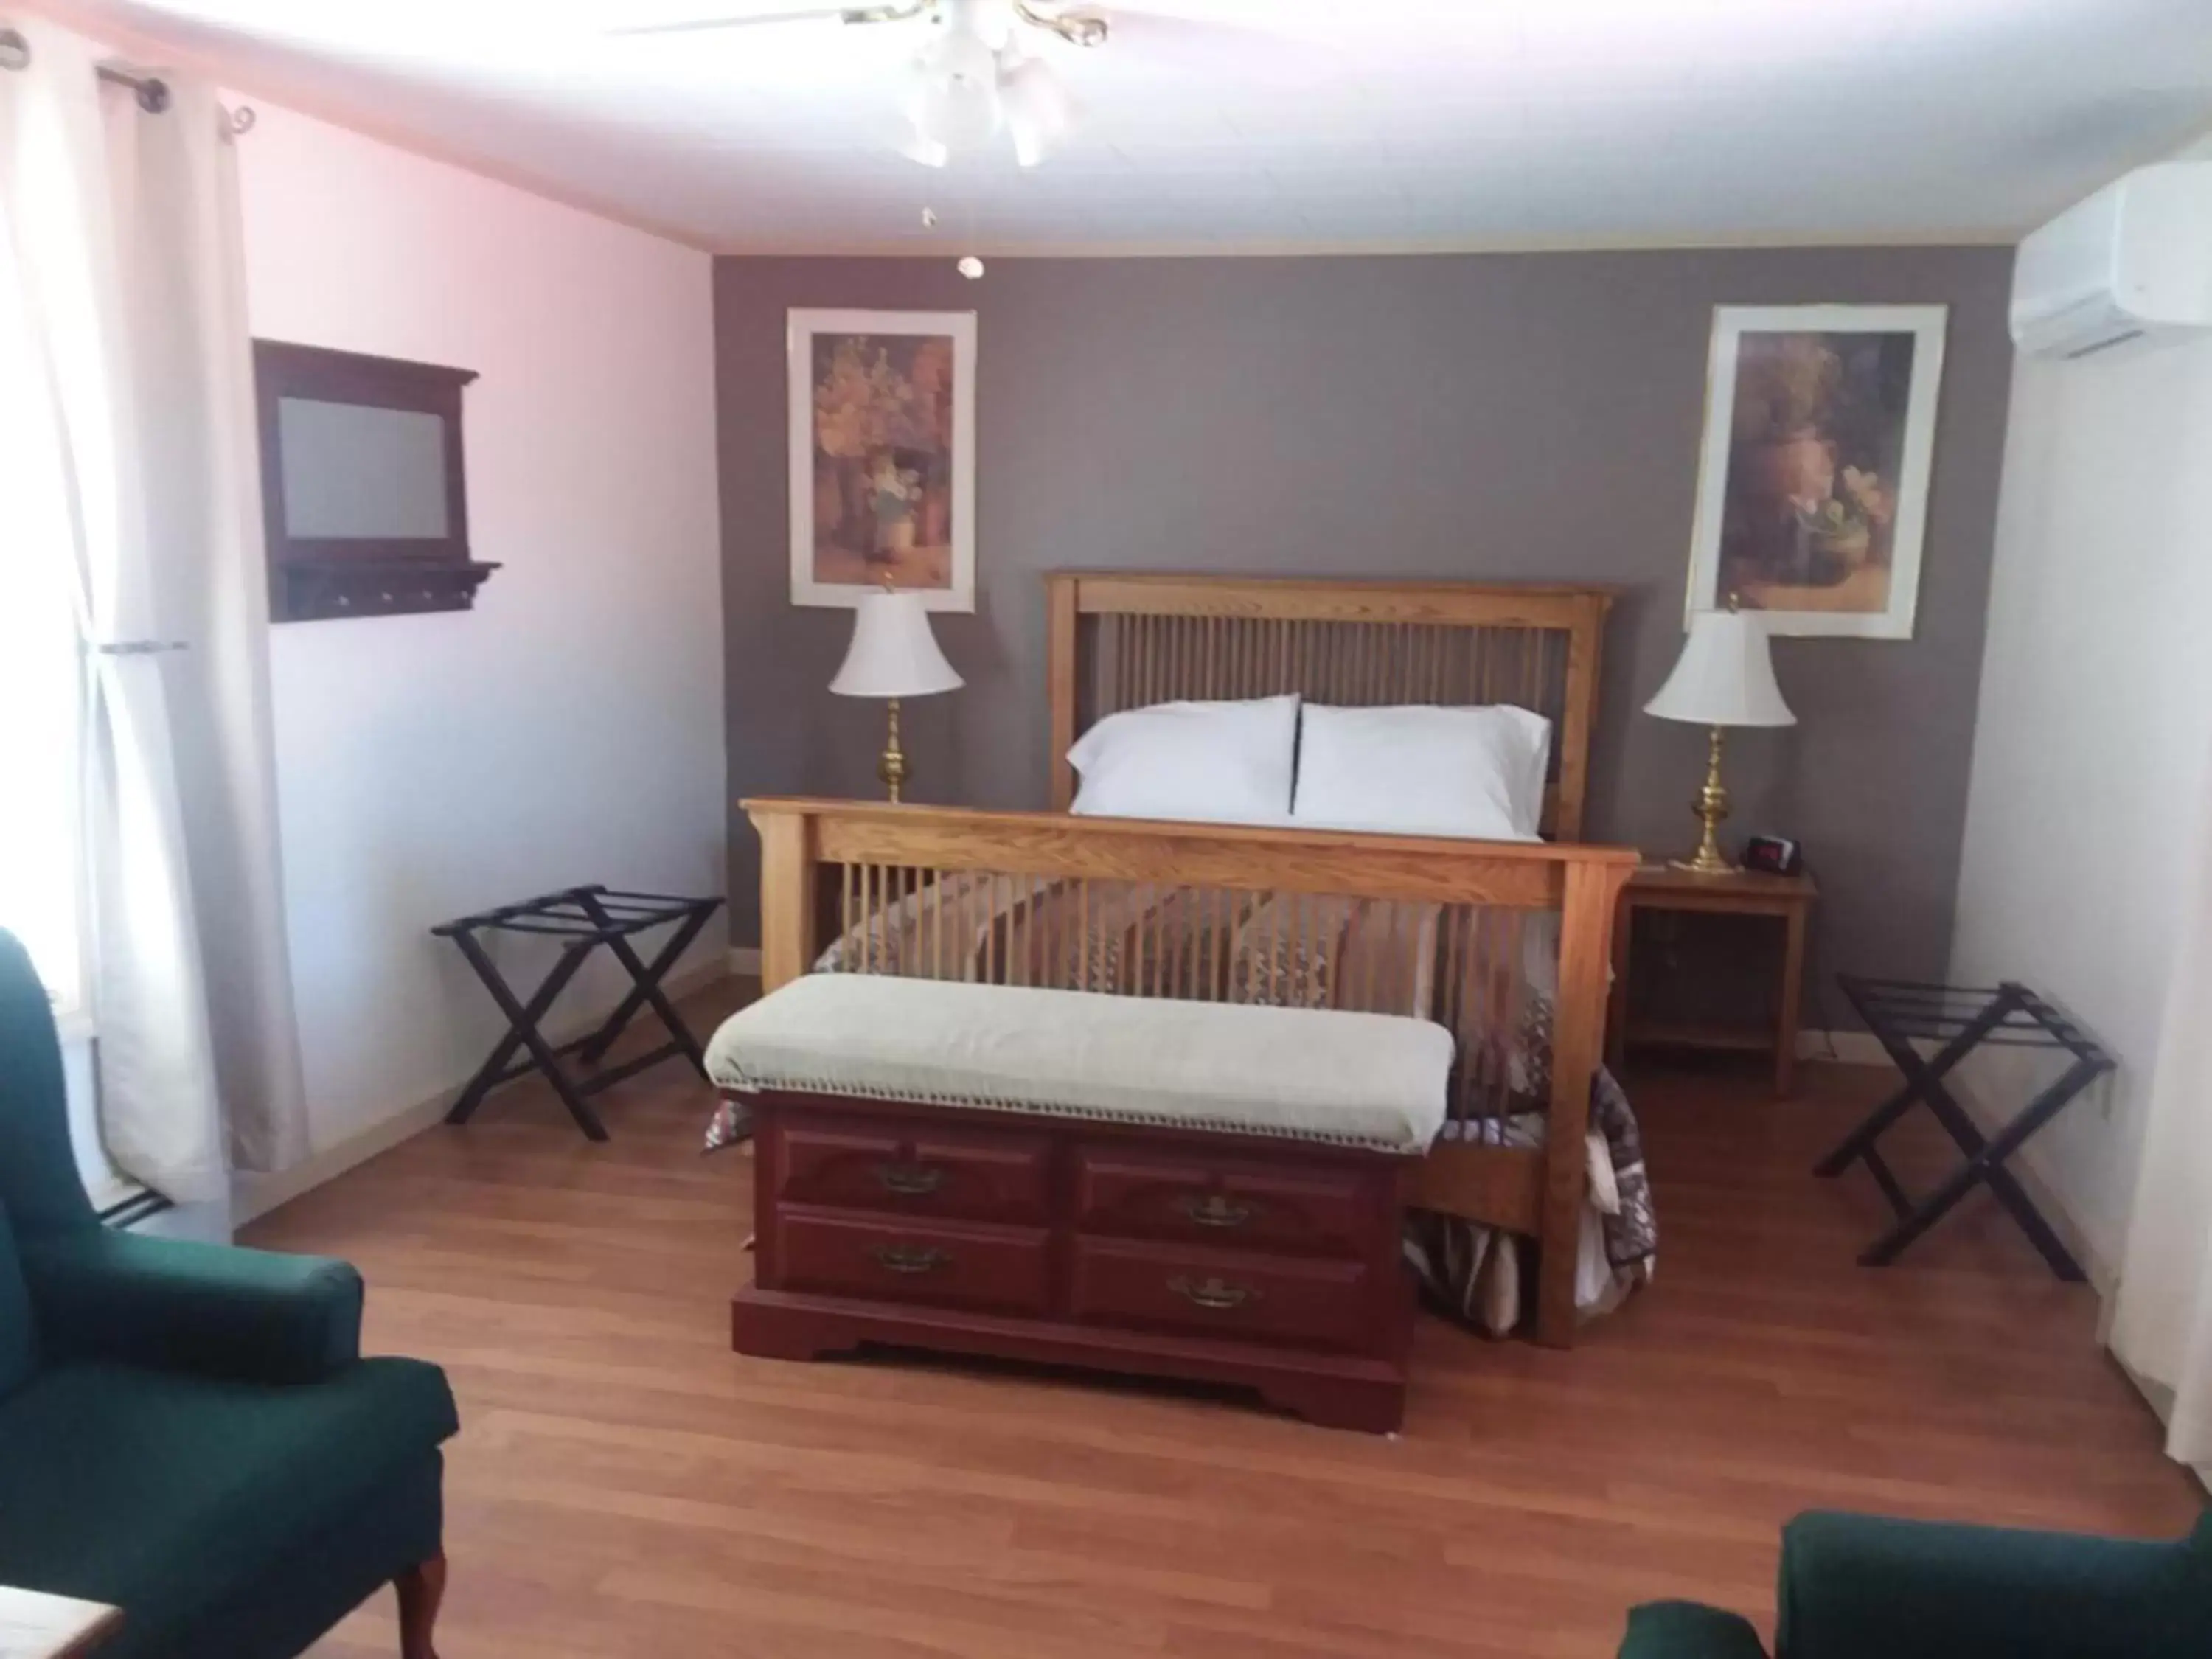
{"points": [[121, 226], [2162, 1318]]}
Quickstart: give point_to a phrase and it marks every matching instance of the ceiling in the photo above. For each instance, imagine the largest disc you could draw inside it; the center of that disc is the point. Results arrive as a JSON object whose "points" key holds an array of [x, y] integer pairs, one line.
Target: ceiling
{"points": [[1270, 124]]}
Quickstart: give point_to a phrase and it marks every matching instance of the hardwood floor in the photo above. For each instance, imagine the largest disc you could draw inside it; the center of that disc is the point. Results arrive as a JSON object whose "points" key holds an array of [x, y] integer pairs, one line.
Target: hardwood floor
{"points": [[625, 1485]]}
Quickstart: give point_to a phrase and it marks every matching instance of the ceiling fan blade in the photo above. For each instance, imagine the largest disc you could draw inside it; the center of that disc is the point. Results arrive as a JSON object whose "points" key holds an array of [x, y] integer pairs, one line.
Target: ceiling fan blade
{"points": [[1213, 39], [847, 13]]}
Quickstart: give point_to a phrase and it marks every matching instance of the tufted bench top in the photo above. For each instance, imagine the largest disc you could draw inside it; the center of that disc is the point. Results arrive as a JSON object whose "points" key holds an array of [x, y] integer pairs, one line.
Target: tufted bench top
{"points": [[1349, 1079]]}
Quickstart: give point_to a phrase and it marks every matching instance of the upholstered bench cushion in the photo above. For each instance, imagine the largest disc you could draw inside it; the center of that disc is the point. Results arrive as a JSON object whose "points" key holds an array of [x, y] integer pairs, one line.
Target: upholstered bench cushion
{"points": [[1353, 1079]]}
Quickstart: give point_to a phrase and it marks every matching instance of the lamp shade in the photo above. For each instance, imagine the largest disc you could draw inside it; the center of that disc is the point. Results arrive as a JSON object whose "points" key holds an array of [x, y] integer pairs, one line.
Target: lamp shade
{"points": [[893, 653], [1724, 677]]}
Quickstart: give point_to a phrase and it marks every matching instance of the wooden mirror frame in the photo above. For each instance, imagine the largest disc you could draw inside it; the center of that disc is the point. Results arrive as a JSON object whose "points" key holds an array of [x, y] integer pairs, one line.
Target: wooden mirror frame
{"points": [[316, 578]]}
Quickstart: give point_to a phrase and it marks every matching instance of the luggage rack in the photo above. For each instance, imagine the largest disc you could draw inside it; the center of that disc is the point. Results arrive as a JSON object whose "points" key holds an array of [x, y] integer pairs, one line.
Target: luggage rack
{"points": [[587, 917], [1961, 1018]]}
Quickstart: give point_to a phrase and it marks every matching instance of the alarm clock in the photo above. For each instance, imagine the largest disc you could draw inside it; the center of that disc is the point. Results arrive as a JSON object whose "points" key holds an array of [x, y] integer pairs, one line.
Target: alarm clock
{"points": [[1773, 855]]}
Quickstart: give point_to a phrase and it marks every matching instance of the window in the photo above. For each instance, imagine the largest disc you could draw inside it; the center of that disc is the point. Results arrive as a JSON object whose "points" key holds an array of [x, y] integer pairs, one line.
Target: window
{"points": [[42, 701]]}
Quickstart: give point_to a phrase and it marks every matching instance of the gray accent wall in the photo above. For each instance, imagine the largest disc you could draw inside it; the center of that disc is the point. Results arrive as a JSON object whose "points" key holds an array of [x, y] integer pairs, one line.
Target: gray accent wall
{"points": [[1491, 416]]}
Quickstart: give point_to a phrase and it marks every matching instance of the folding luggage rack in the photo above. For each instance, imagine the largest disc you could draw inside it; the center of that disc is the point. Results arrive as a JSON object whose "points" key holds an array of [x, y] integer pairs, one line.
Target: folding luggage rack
{"points": [[1903, 1013], [587, 917]]}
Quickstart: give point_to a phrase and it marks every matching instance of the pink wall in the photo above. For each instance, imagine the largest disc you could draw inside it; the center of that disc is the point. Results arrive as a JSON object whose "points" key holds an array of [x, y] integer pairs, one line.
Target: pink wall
{"points": [[567, 730]]}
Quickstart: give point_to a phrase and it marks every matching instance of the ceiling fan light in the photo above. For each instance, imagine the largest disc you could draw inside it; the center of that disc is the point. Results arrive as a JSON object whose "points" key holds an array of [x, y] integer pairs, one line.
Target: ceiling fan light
{"points": [[958, 114], [1039, 110], [919, 146], [959, 59]]}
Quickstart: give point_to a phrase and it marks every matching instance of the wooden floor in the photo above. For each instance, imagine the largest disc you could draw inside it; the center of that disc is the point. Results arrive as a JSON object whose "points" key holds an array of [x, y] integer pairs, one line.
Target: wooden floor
{"points": [[624, 1485]]}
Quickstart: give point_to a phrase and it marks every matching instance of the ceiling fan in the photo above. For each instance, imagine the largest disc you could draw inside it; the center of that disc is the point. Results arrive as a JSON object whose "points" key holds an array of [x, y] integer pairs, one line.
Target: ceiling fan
{"points": [[973, 79]]}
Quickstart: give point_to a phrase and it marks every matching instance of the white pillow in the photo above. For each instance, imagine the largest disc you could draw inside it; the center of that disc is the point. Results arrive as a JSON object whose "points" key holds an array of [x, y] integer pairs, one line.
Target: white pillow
{"points": [[1216, 763], [1422, 770]]}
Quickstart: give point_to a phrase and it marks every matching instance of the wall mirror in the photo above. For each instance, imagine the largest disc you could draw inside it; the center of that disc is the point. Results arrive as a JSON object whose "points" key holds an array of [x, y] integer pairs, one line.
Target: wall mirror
{"points": [[363, 488]]}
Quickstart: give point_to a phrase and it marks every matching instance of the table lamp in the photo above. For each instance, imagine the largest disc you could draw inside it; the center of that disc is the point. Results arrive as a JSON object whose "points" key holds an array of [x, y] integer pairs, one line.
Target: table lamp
{"points": [[1724, 677], [893, 655]]}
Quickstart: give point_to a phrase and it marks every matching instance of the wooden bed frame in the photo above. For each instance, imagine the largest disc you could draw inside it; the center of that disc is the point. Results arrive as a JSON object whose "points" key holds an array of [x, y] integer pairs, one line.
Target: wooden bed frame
{"points": [[1121, 640]]}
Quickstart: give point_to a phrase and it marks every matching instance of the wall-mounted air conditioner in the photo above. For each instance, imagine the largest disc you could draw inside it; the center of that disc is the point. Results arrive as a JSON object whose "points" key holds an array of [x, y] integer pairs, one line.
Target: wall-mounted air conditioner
{"points": [[2132, 264]]}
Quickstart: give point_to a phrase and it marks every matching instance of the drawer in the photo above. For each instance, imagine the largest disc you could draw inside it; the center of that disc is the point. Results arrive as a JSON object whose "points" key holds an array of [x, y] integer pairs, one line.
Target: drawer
{"points": [[1232, 1203], [913, 1169], [887, 1260], [1307, 1303]]}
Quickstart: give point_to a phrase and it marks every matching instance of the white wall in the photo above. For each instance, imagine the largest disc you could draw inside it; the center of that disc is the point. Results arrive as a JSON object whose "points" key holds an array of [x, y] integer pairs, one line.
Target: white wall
{"points": [[2094, 739], [567, 730]]}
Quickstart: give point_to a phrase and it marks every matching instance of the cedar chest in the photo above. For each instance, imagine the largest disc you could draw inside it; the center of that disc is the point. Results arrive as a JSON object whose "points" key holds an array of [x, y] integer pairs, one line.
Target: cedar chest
{"points": [[1210, 1192]]}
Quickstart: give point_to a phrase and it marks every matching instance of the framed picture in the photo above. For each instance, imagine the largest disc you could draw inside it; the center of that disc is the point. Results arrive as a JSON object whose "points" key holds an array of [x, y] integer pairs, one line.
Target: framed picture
{"points": [[883, 455], [1812, 476]]}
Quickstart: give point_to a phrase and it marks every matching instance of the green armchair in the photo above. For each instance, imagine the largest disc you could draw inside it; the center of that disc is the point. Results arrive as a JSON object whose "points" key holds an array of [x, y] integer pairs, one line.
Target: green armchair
{"points": [[188, 1432], [1858, 1587]]}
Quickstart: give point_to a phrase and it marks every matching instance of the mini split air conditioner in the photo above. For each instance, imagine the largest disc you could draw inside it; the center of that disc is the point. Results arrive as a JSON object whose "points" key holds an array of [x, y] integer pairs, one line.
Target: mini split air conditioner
{"points": [[2130, 265]]}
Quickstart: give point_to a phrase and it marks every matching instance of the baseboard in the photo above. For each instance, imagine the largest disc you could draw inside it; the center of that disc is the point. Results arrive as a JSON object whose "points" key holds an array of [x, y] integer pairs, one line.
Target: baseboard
{"points": [[252, 1196], [1843, 1047], [744, 961]]}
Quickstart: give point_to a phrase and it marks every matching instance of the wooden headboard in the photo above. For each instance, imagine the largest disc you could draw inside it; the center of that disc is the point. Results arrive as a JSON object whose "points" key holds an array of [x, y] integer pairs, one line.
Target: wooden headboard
{"points": [[1121, 640]]}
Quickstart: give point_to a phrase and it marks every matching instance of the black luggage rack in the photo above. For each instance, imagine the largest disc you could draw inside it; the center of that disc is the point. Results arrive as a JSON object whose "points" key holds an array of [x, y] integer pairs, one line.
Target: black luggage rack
{"points": [[1905, 1013], [587, 917]]}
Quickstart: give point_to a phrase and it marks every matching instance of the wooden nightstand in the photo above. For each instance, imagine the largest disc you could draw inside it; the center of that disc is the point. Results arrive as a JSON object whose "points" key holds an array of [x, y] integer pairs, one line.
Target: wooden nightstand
{"points": [[1788, 899]]}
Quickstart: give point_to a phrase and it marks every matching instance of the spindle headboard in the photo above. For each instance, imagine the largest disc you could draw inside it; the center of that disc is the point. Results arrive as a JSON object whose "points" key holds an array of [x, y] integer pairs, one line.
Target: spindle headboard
{"points": [[1122, 640]]}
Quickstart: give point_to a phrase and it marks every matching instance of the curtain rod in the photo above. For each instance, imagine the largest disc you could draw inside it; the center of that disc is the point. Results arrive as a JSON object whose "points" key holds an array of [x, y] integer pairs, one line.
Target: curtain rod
{"points": [[151, 91]]}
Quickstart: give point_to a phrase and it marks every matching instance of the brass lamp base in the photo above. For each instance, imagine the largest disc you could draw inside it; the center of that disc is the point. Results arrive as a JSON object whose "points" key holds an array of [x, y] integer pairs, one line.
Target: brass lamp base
{"points": [[891, 765], [1711, 806]]}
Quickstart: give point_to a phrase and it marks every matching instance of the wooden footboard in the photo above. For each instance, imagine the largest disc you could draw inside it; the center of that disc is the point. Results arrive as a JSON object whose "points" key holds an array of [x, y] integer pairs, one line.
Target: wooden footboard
{"points": [[1456, 930]]}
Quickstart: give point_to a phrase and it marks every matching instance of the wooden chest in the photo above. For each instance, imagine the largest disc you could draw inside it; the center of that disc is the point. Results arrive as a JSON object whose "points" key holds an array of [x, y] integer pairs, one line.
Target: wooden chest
{"points": [[1268, 1264]]}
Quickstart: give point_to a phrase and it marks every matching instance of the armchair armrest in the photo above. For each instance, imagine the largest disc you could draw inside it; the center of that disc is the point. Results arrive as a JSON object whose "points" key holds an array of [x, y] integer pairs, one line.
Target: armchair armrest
{"points": [[1685, 1629], [1853, 1585], [170, 1304]]}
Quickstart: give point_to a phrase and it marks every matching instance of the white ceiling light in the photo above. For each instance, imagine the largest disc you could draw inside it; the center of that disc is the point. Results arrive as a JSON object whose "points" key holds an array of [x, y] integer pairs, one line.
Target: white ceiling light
{"points": [[928, 151], [973, 82], [1039, 109], [954, 104]]}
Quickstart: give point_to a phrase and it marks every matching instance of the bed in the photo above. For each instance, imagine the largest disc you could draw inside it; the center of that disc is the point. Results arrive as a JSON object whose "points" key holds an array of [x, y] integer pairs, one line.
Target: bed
{"points": [[1504, 943]]}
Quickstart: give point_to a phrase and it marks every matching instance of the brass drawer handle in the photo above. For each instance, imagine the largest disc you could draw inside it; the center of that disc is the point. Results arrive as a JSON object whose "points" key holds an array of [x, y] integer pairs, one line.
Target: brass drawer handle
{"points": [[1215, 1209], [911, 1258], [909, 1180], [1212, 1292]]}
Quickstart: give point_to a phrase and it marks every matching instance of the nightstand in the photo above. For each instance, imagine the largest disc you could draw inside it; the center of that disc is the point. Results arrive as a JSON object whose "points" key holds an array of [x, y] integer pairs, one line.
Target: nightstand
{"points": [[1786, 899]]}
